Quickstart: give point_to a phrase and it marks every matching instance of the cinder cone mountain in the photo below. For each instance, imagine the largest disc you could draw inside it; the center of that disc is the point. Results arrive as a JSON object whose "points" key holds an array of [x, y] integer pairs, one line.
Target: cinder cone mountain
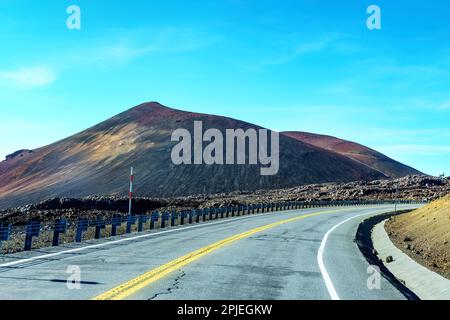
{"points": [[97, 160]]}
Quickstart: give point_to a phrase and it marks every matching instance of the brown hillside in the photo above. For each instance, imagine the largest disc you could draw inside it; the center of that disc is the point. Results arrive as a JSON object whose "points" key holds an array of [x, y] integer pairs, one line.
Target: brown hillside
{"points": [[424, 234], [357, 152]]}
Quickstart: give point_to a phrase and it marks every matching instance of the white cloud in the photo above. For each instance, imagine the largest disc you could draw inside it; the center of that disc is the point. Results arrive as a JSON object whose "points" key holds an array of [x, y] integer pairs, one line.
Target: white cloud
{"points": [[30, 77]]}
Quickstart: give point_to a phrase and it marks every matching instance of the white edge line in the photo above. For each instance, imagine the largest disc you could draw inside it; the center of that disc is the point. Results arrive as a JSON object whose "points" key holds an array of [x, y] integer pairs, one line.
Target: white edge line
{"points": [[326, 277], [51, 255]]}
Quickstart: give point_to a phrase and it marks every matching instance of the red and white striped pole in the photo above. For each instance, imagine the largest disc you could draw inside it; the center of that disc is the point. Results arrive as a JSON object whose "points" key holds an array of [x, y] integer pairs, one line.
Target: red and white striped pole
{"points": [[130, 195]]}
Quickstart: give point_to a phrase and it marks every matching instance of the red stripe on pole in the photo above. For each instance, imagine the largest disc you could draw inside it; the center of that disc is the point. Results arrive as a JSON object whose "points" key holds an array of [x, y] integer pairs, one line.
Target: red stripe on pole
{"points": [[130, 194]]}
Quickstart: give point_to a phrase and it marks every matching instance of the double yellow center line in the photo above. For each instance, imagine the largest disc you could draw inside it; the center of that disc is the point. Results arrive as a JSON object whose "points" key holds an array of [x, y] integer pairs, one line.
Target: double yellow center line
{"points": [[129, 288]]}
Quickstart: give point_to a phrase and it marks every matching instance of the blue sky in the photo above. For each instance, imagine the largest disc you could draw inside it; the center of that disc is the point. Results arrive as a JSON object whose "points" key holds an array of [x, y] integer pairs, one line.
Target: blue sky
{"points": [[307, 65]]}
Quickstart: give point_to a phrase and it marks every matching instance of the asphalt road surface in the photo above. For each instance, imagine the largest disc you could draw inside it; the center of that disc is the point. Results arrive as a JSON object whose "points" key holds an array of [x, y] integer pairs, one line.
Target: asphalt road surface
{"points": [[301, 254]]}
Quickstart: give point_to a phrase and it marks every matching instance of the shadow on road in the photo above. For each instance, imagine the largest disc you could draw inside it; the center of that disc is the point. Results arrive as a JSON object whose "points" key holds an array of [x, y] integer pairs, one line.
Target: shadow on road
{"points": [[365, 244]]}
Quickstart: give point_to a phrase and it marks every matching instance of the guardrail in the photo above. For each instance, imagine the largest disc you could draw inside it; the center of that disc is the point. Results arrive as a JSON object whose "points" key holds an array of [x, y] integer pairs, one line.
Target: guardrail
{"points": [[84, 229]]}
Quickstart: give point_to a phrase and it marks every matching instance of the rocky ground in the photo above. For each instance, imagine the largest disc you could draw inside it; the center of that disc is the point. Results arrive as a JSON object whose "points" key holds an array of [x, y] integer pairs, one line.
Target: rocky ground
{"points": [[409, 188]]}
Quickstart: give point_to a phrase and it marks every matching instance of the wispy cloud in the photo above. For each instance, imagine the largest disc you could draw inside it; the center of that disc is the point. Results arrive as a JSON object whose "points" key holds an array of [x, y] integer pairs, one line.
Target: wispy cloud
{"points": [[305, 46], [30, 77], [123, 46], [115, 48]]}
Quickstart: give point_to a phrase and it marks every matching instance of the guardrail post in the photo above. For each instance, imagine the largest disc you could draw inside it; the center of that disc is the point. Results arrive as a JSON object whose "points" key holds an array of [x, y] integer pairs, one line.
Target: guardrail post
{"points": [[60, 227], [142, 220], [99, 225], [33, 228], [82, 227], [115, 222], [164, 217], [210, 214], [5, 231], [131, 220], [173, 217], [182, 216], [153, 218], [204, 214], [198, 213]]}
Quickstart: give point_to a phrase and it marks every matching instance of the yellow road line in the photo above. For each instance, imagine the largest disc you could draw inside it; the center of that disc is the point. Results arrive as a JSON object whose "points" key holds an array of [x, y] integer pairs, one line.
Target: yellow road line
{"points": [[131, 287]]}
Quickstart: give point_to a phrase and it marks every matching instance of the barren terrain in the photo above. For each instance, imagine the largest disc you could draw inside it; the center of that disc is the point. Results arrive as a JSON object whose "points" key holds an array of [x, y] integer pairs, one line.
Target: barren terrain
{"points": [[424, 235], [420, 188]]}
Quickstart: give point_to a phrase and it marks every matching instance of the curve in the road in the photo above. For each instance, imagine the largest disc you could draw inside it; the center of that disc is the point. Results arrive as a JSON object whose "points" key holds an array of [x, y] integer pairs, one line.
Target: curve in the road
{"points": [[131, 287]]}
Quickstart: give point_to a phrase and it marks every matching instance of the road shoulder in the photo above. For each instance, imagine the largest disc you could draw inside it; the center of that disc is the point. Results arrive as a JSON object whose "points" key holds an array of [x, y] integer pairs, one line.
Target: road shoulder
{"points": [[426, 284]]}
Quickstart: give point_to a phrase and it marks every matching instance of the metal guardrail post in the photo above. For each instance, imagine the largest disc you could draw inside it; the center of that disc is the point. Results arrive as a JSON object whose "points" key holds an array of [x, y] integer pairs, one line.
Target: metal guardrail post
{"points": [[99, 225], [82, 227], [191, 214], [131, 220], [182, 216], [115, 222], [32, 230], [173, 218], [164, 217], [143, 218], [210, 214], [204, 214], [198, 213], [154, 217], [60, 227], [5, 231]]}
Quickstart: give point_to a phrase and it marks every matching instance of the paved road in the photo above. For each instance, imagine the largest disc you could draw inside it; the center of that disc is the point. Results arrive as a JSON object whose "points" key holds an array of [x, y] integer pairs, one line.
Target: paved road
{"points": [[280, 261]]}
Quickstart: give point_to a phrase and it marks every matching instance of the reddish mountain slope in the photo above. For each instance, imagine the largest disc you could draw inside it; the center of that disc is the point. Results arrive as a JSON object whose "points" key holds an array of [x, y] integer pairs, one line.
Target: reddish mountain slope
{"points": [[97, 161], [357, 152]]}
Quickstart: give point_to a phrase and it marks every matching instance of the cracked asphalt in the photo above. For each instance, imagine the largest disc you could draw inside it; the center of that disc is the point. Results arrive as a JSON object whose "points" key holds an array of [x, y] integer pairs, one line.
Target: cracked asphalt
{"points": [[279, 263]]}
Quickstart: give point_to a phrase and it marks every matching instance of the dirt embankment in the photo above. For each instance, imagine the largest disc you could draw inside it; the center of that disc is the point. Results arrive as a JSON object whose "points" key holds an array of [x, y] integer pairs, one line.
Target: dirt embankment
{"points": [[424, 235]]}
